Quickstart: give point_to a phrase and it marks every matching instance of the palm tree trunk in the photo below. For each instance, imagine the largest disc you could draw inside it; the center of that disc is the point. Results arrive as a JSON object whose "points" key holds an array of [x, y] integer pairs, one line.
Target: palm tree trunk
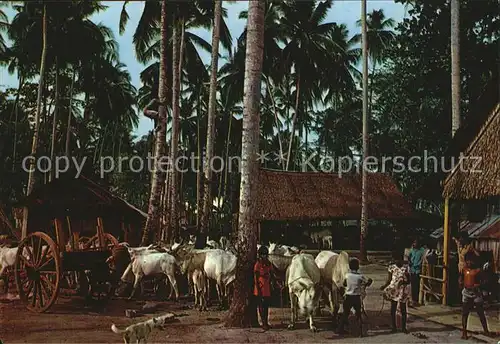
{"points": [[226, 169], [174, 211], [241, 312], [455, 65], [34, 145], [54, 120], [294, 120], [364, 216], [199, 173], [154, 206], [181, 49], [70, 113], [207, 171], [15, 109], [370, 104], [276, 119]]}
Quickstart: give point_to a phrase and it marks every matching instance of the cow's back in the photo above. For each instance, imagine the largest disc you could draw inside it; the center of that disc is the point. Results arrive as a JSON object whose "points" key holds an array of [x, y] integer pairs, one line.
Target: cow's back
{"points": [[324, 259], [338, 267], [303, 269], [220, 264]]}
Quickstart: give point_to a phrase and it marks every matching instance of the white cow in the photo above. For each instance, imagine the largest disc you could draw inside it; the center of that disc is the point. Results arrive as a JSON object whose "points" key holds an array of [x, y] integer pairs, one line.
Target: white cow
{"points": [[303, 280], [327, 242], [334, 268], [217, 264], [152, 263], [200, 289], [282, 249], [7, 258]]}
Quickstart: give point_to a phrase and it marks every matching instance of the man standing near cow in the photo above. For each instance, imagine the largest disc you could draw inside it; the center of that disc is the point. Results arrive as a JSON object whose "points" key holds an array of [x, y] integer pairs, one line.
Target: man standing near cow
{"points": [[263, 274], [415, 259]]}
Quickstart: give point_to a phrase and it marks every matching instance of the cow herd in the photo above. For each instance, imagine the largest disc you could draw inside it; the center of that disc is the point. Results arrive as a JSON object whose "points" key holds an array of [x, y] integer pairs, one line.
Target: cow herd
{"points": [[306, 277]]}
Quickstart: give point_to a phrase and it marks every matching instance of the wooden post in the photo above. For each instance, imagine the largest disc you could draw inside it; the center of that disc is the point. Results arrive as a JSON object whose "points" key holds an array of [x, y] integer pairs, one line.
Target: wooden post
{"points": [[70, 232], [100, 232], [446, 250], [59, 235], [124, 230]]}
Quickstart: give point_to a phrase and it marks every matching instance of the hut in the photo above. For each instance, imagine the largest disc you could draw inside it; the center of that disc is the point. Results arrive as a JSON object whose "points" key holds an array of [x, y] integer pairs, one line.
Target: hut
{"points": [[303, 197], [476, 181], [322, 196], [473, 182], [79, 206]]}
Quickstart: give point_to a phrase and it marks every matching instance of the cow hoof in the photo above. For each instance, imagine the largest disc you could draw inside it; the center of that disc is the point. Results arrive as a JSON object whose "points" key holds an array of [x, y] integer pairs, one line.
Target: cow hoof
{"points": [[291, 326], [313, 329]]}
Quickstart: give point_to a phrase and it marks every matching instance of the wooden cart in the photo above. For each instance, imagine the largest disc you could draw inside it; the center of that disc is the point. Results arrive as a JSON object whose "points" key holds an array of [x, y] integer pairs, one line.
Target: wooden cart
{"points": [[43, 262]]}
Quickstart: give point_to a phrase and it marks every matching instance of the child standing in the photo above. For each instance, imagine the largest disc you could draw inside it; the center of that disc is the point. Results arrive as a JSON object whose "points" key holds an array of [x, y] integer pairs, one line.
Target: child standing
{"points": [[263, 272], [397, 289], [470, 282], [355, 284]]}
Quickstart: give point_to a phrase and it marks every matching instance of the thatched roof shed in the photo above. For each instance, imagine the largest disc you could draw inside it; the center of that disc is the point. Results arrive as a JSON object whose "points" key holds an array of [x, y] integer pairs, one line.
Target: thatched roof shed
{"points": [[78, 195], [288, 196], [81, 201], [478, 177]]}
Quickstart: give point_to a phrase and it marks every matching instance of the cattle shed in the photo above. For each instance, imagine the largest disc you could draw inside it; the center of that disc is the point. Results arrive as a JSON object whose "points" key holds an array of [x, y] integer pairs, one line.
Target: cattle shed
{"points": [[297, 196], [293, 205], [81, 205]]}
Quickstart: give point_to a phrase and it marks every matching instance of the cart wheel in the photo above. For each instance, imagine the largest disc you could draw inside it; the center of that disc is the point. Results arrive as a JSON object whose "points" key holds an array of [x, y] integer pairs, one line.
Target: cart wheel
{"points": [[83, 241], [37, 271], [109, 240]]}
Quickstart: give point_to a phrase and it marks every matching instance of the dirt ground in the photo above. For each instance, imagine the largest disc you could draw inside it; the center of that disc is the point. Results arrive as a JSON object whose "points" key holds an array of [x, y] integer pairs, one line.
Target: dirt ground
{"points": [[69, 321]]}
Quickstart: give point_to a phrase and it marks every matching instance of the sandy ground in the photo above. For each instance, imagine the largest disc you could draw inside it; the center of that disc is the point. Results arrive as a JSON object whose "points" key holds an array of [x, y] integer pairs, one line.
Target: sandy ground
{"points": [[69, 321]]}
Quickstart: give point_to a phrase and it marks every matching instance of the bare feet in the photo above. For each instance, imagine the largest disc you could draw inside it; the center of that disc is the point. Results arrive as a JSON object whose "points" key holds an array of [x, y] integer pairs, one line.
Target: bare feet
{"points": [[464, 335]]}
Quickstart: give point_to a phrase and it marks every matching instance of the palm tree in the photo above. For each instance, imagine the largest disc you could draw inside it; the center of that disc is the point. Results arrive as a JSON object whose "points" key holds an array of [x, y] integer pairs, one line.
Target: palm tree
{"points": [[380, 37], [152, 221], [174, 173], [306, 50], [207, 171], [34, 146], [455, 65], [240, 313], [364, 215]]}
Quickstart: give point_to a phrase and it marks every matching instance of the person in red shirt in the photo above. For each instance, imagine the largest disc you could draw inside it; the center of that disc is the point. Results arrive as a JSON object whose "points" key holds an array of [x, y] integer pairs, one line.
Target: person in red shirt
{"points": [[263, 273]]}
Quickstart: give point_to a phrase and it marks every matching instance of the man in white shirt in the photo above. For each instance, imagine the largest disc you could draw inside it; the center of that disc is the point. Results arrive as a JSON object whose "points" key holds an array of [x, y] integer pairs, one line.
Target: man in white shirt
{"points": [[354, 285]]}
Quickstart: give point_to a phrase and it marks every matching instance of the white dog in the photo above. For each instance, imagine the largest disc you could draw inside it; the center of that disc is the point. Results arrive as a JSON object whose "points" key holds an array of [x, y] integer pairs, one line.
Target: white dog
{"points": [[137, 332]]}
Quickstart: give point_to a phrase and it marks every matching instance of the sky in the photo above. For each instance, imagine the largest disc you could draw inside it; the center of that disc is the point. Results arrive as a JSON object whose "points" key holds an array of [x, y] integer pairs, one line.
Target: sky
{"points": [[343, 12]]}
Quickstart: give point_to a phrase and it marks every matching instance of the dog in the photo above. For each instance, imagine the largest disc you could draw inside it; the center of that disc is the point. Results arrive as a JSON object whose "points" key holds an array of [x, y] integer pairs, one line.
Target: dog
{"points": [[137, 332]]}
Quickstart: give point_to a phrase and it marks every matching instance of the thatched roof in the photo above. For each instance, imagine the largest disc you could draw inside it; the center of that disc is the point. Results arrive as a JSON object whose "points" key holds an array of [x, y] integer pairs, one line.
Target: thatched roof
{"points": [[316, 195], [78, 195], [478, 177]]}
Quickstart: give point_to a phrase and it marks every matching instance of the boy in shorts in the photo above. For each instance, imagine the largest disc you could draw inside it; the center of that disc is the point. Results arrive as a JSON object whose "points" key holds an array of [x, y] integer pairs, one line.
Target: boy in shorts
{"points": [[470, 281]]}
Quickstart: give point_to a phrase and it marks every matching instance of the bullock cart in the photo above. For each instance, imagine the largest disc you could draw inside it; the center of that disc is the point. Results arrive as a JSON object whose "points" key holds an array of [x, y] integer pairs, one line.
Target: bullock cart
{"points": [[46, 264], [65, 245]]}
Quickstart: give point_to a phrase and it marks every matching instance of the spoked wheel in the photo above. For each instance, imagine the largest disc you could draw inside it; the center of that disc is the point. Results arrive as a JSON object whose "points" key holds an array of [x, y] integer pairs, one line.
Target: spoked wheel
{"points": [[37, 270], [109, 241]]}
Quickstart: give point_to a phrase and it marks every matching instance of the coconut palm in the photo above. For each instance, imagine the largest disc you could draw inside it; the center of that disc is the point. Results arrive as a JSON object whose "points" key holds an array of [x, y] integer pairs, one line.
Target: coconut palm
{"points": [[207, 171], [380, 37], [240, 313], [34, 146], [455, 64]]}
